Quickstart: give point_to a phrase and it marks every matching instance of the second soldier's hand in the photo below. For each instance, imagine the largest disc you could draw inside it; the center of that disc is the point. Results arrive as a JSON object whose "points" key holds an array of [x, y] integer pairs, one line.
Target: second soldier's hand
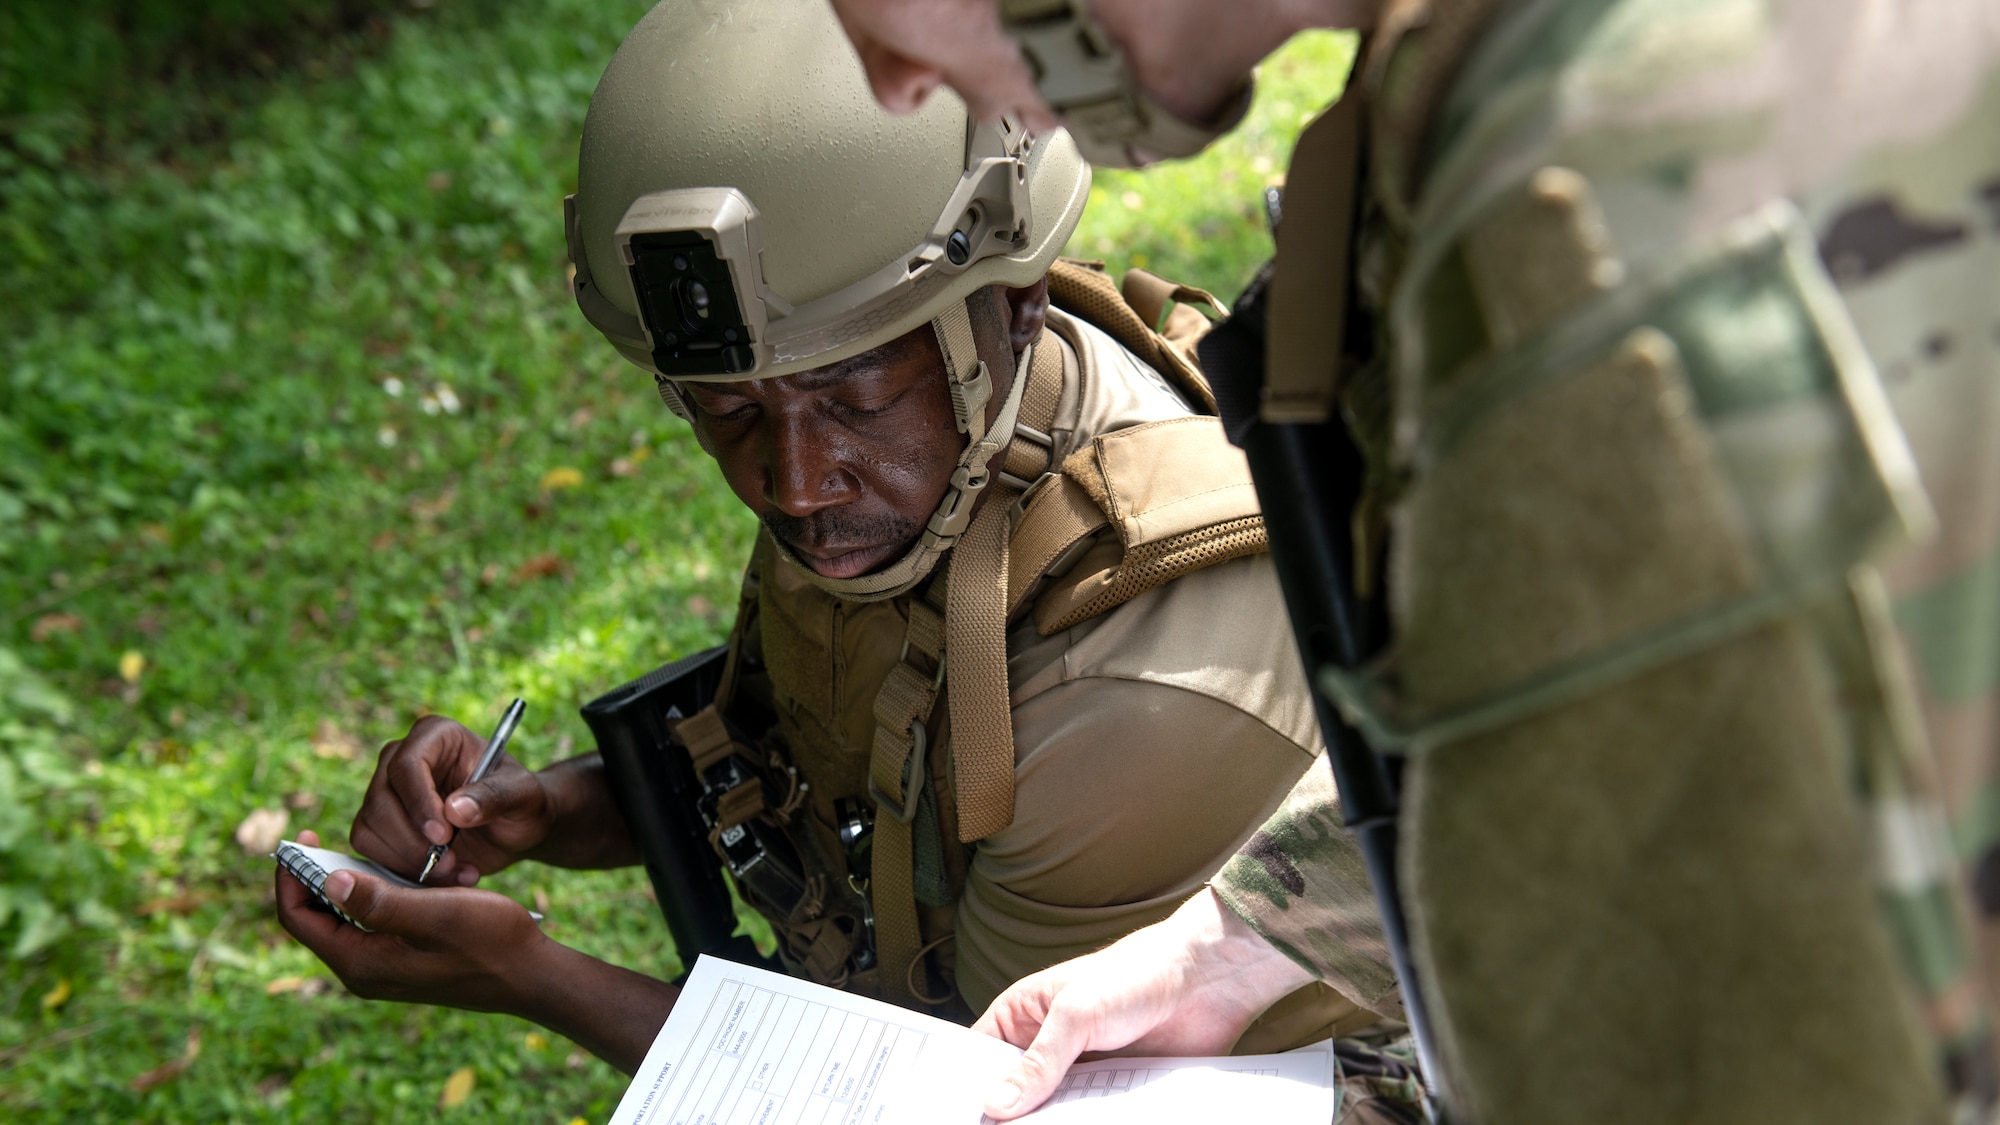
{"points": [[1188, 985]]}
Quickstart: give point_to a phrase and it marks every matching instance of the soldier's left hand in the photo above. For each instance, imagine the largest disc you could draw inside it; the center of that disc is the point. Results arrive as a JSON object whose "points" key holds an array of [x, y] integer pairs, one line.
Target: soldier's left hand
{"points": [[442, 945]]}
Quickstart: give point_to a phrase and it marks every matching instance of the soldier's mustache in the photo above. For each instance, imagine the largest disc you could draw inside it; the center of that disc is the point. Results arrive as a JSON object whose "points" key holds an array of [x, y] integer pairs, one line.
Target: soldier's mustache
{"points": [[840, 528]]}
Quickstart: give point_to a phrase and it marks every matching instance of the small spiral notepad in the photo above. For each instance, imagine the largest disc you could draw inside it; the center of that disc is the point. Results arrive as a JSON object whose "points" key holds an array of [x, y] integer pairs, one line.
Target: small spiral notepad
{"points": [[311, 866]]}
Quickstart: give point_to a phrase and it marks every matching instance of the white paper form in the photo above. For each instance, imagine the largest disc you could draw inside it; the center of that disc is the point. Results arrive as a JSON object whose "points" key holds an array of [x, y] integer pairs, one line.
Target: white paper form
{"points": [[749, 1047], [1295, 1088]]}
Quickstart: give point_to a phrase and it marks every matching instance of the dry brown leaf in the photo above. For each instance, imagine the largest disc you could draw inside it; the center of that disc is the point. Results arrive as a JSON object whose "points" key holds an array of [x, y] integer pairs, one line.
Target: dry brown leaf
{"points": [[329, 741], [700, 606], [548, 565], [305, 987], [435, 506], [49, 624], [383, 541], [624, 467], [172, 1068], [261, 831], [302, 801], [541, 901], [457, 1088], [269, 1087]]}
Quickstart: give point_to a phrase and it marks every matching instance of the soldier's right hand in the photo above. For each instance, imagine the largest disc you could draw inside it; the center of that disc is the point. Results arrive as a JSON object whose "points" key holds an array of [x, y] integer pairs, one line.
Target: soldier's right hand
{"points": [[1187, 985], [418, 795]]}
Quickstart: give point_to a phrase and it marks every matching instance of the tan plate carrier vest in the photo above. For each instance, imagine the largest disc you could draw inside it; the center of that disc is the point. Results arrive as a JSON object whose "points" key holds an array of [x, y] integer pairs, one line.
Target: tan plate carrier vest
{"points": [[833, 706]]}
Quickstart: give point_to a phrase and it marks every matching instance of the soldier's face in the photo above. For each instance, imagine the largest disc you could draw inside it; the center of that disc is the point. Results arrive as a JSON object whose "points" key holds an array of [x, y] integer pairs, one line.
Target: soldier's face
{"points": [[845, 463]]}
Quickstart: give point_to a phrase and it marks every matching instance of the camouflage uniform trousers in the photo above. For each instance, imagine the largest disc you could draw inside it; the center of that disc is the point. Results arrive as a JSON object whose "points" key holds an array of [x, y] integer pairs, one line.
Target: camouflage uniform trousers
{"points": [[1375, 1082]]}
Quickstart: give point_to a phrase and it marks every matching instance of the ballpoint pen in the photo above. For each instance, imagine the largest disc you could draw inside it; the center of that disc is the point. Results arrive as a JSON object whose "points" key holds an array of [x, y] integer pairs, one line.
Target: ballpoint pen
{"points": [[494, 746]]}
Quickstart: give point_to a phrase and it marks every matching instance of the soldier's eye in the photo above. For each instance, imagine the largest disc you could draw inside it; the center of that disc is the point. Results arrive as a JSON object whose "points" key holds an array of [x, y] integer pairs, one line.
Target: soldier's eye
{"points": [[868, 411], [723, 409]]}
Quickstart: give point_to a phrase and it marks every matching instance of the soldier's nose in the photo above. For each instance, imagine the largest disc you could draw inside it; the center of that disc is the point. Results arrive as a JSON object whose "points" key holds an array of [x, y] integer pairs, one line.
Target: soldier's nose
{"points": [[802, 476]]}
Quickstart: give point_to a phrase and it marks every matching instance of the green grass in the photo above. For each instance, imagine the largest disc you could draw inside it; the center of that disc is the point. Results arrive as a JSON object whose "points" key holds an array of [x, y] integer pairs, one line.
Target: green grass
{"points": [[1201, 221], [280, 418]]}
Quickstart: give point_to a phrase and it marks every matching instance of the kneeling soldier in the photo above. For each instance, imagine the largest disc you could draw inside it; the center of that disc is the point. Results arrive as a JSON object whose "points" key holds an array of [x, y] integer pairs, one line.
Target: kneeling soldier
{"points": [[1009, 619]]}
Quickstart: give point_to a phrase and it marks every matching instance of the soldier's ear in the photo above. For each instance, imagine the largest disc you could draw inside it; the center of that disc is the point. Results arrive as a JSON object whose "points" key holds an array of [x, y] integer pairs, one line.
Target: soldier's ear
{"points": [[1027, 310]]}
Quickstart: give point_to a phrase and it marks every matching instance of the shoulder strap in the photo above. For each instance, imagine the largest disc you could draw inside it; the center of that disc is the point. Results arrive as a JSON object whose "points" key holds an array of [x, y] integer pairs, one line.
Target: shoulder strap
{"points": [[1149, 294], [1177, 497], [957, 628], [1084, 290]]}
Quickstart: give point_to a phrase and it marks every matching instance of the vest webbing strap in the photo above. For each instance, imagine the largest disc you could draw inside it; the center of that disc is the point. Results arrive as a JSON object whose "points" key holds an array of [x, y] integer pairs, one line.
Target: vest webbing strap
{"points": [[982, 718], [1028, 457], [896, 780], [974, 634], [1307, 329], [982, 721], [706, 738], [1058, 517]]}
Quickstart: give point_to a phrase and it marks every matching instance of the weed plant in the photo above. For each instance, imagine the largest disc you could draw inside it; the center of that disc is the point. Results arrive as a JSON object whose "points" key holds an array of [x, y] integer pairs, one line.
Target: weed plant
{"points": [[301, 437]]}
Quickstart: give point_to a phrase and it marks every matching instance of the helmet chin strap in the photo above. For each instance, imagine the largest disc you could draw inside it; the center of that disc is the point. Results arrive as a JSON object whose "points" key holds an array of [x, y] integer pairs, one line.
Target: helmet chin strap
{"points": [[971, 387]]}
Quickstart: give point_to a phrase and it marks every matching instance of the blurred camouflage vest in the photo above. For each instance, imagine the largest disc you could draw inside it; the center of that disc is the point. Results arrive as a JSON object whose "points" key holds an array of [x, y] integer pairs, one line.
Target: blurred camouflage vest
{"points": [[1672, 312]]}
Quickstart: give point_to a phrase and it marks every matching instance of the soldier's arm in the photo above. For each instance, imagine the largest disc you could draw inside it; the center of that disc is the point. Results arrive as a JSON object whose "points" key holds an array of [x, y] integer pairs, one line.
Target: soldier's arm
{"points": [[1300, 883], [1293, 906], [476, 950], [1190, 57]]}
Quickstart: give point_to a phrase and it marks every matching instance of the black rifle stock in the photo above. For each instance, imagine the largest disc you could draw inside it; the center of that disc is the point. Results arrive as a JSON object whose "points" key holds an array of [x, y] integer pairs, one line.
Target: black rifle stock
{"points": [[653, 782], [1309, 478]]}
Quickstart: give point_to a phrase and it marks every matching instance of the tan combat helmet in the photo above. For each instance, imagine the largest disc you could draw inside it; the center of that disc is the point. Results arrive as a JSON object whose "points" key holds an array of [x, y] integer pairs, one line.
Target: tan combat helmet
{"points": [[745, 210]]}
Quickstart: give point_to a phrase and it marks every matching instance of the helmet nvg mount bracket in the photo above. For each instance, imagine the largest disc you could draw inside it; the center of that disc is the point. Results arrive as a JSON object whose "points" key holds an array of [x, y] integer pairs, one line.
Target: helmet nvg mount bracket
{"points": [[694, 257]]}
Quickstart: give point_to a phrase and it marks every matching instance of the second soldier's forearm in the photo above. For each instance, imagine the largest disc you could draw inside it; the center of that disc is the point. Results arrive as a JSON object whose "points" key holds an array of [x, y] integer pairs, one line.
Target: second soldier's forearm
{"points": [[1193, 58]]}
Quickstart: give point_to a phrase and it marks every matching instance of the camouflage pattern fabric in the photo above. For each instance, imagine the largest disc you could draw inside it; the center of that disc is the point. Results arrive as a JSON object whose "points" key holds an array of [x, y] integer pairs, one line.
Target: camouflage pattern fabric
{"points": [[1301, 883], [1878, 121], [1376, 1082]]}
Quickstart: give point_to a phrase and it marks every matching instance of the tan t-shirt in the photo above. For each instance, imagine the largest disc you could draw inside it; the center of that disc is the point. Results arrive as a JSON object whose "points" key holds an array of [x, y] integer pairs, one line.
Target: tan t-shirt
{"points": [[1148, 744]]}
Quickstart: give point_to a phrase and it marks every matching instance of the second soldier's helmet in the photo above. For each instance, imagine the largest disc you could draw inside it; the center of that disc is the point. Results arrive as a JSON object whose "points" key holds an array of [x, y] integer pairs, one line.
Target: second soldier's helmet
{"points": [[744, 210]]}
